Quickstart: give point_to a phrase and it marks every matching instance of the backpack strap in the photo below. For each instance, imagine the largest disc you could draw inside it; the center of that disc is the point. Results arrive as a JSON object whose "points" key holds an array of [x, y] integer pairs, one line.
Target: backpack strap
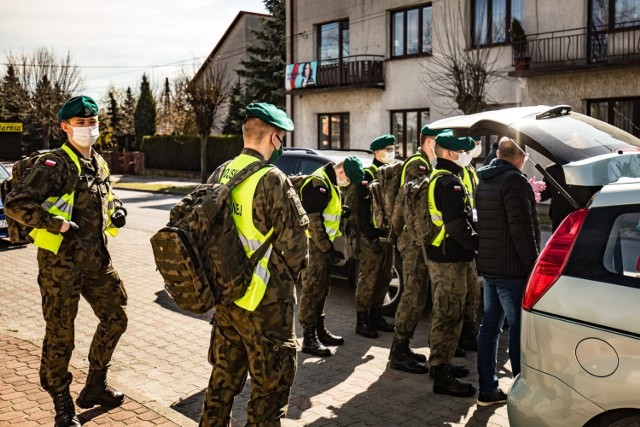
{"points": [[245, 173]]}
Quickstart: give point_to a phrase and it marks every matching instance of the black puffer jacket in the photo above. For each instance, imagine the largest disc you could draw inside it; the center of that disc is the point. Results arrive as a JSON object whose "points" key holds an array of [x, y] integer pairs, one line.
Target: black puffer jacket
{"points": [[507, 226]]}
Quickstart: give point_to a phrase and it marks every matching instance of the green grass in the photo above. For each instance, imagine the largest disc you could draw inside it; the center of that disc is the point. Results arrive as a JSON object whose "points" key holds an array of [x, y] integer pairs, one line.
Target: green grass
{"points": [[155, 188]]}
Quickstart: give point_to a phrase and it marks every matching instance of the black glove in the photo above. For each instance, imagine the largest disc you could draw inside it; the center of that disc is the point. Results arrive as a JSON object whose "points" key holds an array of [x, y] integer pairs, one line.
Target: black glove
{"points": [[346, 211], [118, 218], [377, 247], [73, 229]]}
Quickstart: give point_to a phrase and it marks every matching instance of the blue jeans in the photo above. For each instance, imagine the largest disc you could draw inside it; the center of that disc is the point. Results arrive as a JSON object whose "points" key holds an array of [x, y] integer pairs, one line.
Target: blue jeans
{"points": [[502, 297]]}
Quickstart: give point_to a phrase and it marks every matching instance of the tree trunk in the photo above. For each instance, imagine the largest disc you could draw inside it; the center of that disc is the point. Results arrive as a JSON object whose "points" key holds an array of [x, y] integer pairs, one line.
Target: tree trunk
{"points": [[203, 157]]}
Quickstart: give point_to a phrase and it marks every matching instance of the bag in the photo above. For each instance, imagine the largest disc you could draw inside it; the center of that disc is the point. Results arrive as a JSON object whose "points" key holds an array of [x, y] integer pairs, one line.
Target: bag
{"points": [[19, 233], [297, 181], [415, 204], [199, 253], [384, 191]]}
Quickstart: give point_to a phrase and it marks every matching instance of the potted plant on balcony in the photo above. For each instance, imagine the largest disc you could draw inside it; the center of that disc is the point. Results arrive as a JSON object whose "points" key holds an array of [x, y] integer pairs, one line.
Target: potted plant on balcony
{"points": [[521, 59]]}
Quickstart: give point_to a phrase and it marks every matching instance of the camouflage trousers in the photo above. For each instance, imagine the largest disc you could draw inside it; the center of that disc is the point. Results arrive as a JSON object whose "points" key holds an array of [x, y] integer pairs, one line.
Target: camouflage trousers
{"points": [[260, 343], [472, 303], [415, 288], [374, 274], [61, 289], [448, 293], [316, 280]]}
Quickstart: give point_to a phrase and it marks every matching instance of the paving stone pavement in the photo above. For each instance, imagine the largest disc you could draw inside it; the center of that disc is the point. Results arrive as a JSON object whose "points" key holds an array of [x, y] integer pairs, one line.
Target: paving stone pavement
{"points": [[161, 360]]}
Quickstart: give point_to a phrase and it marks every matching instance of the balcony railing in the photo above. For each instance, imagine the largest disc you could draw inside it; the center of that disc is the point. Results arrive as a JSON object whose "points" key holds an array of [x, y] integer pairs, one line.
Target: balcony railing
{"points": [[350, 71], [583, 46]]}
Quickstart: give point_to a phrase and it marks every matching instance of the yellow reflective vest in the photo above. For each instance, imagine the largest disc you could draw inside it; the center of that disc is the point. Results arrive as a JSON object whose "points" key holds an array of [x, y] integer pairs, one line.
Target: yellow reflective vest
{"points": [[414, 158], [333, 211], [436, 214], [470, 181], [251, 238], [63, 206]]}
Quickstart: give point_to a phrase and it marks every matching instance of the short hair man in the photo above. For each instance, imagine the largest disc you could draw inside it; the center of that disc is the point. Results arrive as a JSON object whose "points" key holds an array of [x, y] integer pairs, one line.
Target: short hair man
{"points": [[67, 199], [245, 342], [509, 241], [449, 257], [322, 200]]}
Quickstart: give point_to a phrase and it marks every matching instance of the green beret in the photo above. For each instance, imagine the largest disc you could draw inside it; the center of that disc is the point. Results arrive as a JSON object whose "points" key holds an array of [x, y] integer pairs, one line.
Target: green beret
{"points": [[427, 131], [78, 106], [353, 169], [270, 114], [382, 141], [450, 142]]}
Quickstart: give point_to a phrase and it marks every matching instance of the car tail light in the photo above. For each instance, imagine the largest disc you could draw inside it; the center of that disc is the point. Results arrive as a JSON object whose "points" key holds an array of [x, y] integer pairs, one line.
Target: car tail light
{"points": [[553, 259]]}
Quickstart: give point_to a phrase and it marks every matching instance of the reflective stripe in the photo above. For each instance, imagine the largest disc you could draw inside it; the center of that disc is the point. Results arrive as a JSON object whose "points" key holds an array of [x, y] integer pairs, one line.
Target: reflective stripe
{"points": [[434, 212], [59, 206], [470, 181], [330, 217]]}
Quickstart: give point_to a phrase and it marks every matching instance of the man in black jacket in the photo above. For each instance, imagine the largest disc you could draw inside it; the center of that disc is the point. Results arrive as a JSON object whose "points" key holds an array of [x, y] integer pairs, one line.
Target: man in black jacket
{"points": [[509, 241]]}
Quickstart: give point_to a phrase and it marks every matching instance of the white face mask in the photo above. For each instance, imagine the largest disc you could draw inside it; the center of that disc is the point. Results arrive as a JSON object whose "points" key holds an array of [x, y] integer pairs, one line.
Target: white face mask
{"points": [[85, 136], [477, 150], [388, 157], [464, 159]]}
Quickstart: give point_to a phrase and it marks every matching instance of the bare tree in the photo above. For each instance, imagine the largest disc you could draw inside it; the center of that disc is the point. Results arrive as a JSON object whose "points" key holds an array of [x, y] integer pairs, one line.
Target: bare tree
{"points": [[49, 80], [462, 69], [207, 93]]}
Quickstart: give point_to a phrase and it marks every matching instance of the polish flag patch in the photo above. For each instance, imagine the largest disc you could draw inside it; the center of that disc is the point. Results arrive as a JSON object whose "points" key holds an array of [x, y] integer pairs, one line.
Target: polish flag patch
{"points": [[422, 167], [457, 188], [322, 190], [50, 163]]}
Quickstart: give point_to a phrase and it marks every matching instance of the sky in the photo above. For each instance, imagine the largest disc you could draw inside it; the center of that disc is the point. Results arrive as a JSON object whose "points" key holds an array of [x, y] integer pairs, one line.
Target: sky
{"points": [[115, 41]]}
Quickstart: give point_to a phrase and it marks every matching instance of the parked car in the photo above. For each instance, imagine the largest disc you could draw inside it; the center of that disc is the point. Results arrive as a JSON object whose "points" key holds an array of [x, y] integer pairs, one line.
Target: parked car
{"points": [[305, 161], [4, 174], [580, 338]]}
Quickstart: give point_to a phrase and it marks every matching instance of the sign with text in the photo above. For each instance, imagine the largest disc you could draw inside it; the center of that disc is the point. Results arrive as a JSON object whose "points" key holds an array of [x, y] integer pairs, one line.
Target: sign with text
{"points": [[10, 127], [298, 76]]}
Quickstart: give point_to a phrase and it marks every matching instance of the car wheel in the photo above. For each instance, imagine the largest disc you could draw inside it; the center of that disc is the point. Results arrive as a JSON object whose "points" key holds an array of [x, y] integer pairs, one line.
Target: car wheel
{"points": [[392, 299], [621, 418]]}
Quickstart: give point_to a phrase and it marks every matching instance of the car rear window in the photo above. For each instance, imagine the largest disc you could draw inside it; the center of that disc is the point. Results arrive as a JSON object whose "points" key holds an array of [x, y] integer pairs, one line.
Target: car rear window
{"points": [[308, 166], [608, 247]]}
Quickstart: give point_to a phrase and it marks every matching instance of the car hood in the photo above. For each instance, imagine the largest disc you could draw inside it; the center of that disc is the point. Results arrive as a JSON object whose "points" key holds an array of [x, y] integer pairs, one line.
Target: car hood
{"points": [[590, 151]]}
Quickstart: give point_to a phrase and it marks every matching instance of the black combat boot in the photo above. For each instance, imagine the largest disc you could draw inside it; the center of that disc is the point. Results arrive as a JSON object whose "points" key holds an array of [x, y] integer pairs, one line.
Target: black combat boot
{"points": [[311, 344], [376, 321], [460, 352], [456, 371], [400, 358], [469, 336], [445, 383], [362, 325], [326, 337], [65, 411], [97, 392], [418, 356]]}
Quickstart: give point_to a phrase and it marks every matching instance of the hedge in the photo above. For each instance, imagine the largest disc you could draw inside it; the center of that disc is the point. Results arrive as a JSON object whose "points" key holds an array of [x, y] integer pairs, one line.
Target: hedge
{"points": [[183, 152]]}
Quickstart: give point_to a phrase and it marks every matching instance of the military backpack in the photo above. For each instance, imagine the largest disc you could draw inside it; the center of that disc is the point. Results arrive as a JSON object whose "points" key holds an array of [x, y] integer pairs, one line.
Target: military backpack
{"points": [[19, 233], [383, 192], [199, 253]]}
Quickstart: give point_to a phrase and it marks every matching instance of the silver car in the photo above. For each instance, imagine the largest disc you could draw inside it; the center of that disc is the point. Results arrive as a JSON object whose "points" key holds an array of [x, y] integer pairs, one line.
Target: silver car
{"points": [[580, 337]]}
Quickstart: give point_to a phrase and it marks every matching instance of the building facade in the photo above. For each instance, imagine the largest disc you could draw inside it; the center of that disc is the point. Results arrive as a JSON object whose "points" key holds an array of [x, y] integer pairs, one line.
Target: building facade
{"points": [[361, 68]]}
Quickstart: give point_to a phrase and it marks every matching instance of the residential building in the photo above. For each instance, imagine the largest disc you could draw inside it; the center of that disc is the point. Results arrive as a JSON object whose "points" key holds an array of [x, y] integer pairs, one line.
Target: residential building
{"points": [[361, 68], [231, 50]]}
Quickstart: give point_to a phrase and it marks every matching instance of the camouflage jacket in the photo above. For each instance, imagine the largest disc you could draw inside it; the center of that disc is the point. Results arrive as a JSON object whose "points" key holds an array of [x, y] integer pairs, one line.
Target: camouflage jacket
{"points": [[276, 205], [54, 175], [412, 169]]}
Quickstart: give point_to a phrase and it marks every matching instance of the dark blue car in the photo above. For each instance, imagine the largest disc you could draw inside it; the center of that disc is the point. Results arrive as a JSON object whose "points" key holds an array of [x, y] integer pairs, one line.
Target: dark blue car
{"points": [[4, 174]]}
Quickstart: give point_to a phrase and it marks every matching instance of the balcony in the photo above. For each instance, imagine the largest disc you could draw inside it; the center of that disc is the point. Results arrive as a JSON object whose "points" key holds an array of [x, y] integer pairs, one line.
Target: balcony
{"points": [[580, 48], [359, 71]]}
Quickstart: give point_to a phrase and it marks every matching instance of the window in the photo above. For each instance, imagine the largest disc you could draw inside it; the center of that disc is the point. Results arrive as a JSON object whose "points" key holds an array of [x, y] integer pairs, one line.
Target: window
{"points": [[609, 14], [411, 32], [621, 253], [333, 40], [492, 20], [623, 113], [405, 126], [333, 131]]}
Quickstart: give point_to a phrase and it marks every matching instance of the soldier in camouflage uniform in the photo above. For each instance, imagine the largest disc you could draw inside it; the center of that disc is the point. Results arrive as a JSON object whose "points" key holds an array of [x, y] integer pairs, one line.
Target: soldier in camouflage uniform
{"points": [[261, 342], [322, 200], [66, 197], [414, 267], [375, 253], [449, 256]]}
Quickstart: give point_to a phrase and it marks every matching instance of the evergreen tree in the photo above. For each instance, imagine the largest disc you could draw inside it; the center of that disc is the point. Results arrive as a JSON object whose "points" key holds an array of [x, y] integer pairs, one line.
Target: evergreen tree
{"points": [[182, 115], [113, 114], [264, 70], [144, 117], [14, 98], [165, 122], [235, 118], [127, 128], [44, 125]]}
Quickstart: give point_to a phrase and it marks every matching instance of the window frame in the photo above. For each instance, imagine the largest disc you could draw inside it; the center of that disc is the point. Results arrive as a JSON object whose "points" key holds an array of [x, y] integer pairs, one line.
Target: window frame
{"points": [[508, 17], [635, 131], [611, 19], [420, 8], [344, 135], [403, 144], [341, 29]]}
